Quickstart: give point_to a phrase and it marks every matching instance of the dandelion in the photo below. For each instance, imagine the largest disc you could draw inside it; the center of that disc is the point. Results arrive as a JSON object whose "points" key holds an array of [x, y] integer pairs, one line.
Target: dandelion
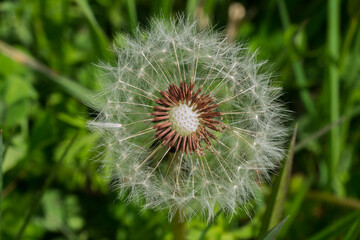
{"points": [[191, 124]]}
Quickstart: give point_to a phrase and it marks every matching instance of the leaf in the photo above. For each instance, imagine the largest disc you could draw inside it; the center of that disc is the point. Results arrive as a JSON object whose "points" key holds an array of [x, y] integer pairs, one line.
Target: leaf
{"points": [[1, 179], [44, 131], [15, 152], [162, 8], [337, 228], [324, 130], [296, 204], [99, 38], [274, 231], [191, 7], [17, 89], [45, 186], [277, 197], [131, 6], [76, 122], [298, 68], [73, 88], [354, 231], [17, 113]]}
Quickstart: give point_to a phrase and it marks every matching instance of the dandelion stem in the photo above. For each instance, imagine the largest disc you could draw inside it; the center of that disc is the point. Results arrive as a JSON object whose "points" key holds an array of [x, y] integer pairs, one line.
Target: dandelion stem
{"points": [[178, 226], [178, 221]]}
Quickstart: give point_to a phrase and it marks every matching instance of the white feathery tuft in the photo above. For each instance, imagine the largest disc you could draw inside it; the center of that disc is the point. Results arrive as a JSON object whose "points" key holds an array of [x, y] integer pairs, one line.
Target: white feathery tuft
{"points": [[248, 147]]}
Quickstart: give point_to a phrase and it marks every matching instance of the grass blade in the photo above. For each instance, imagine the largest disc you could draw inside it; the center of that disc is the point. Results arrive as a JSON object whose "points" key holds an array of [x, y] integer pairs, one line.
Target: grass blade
{"points": [[99, 38], [334, 94], [163, 7], [350, 34], [131, 6], [335, 200], [336, 229], [272, 234], [1, 177], [191, 7], [277, 197], [299, 71], [47, 183], [318, 134], [321, 132], [296, 205], [354, 231]]}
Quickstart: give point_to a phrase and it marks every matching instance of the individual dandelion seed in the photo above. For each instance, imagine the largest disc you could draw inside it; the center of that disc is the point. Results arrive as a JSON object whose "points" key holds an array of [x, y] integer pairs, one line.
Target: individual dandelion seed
{"points": [[191, 124]]}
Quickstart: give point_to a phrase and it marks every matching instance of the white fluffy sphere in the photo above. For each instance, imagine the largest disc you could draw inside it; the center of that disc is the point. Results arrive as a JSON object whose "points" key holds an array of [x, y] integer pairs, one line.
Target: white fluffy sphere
{"points": [[191, 123]]}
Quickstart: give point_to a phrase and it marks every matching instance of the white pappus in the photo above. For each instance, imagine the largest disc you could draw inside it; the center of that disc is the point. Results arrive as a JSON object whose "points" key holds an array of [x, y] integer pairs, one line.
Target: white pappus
{"points": [[191, 123]]}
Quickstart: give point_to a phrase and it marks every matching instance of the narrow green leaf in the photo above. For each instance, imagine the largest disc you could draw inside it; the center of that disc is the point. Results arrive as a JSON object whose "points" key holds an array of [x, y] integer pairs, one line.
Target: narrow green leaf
{"points": [[333, 30], [99, 38], [277, 197], [271, 235], [350, 34], [316, 135], [354, 231], [295, 205], [327, 128], [337, 228], [298, 68], [131, 6], [1, 177], [163, 7], [191, 7], [284, 15], [209, 7], [333, 199]]}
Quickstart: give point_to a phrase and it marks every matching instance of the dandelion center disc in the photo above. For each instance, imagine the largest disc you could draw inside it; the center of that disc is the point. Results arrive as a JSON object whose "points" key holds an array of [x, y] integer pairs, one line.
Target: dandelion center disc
{"points": [[184, 120]]}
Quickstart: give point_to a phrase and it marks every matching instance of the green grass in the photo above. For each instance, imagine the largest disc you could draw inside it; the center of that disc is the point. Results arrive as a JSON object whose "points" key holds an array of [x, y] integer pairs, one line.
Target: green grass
{"points": [[333, 36], [1, 176], [48, 180], [277, 198]]}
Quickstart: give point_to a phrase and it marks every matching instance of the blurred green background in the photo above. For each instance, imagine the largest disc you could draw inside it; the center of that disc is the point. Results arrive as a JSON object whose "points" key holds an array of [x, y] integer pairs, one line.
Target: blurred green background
{"points": [[51, 187]]}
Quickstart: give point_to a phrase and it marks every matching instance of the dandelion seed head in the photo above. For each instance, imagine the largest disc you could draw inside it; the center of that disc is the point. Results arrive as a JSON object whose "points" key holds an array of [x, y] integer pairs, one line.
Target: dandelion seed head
{"points": [[191, 123]]}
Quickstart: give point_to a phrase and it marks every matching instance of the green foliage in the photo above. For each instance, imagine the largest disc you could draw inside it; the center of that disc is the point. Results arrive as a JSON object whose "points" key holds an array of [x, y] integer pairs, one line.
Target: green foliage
{"points": [[277, 197], [338, 227], [1, 173], [272, 234], [47, 53]]}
